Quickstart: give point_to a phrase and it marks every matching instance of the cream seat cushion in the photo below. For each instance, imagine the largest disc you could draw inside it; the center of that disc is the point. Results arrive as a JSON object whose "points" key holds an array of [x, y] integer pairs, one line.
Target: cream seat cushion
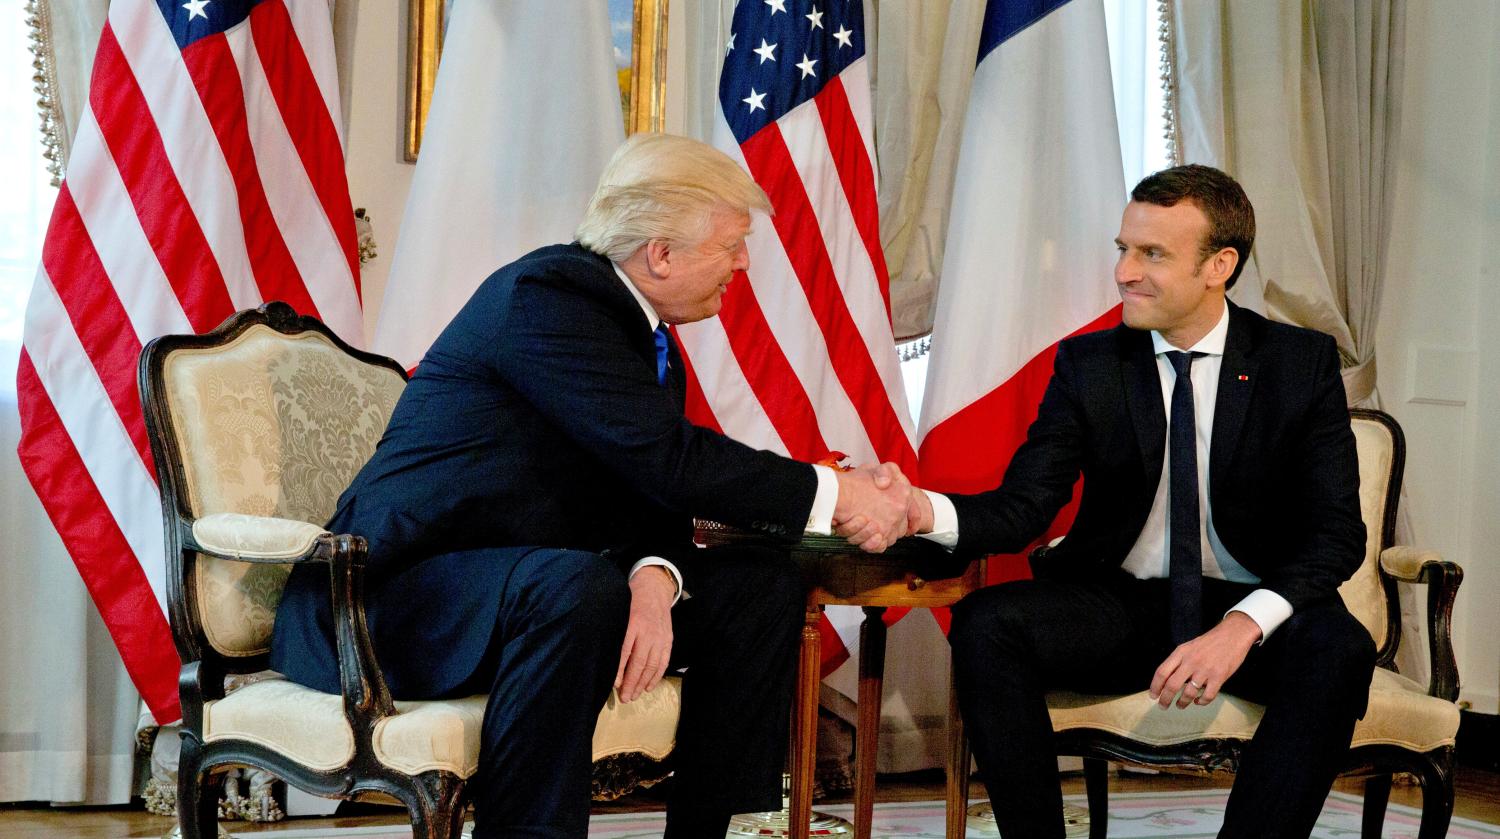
{"points": [[308, 726], [1400, 713]]}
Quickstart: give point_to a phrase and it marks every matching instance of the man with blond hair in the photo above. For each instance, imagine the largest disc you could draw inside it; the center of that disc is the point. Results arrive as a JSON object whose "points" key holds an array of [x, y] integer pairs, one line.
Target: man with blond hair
{"points": [[529, 513]]}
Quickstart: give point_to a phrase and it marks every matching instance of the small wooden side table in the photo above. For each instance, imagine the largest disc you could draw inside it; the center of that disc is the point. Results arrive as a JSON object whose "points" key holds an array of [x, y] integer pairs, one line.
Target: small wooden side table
{"points": [[913, 572]]}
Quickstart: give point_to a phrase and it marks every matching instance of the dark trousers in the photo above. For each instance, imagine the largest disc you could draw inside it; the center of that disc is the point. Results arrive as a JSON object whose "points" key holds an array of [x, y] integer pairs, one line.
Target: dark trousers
{"points": [[552, 660], [1014, 642]]}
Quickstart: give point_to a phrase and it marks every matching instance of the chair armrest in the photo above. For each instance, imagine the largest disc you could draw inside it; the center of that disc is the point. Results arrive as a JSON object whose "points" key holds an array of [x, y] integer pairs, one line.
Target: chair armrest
{"points": [[1442, 578], [254, 538], [247, 538]]}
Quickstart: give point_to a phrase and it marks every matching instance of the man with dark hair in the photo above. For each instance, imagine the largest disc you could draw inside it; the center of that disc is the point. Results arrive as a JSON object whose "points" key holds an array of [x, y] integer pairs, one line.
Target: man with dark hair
{"points": [[1220, 513]]}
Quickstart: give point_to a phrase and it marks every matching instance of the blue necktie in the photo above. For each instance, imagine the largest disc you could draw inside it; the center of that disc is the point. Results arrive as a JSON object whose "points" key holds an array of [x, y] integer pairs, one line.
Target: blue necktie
{"points": [[1184, 539], [661, 354]]}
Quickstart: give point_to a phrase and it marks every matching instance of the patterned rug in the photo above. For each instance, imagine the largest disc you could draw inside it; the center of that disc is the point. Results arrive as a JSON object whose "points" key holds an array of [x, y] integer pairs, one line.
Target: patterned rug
{"points": [[1155, 815]]}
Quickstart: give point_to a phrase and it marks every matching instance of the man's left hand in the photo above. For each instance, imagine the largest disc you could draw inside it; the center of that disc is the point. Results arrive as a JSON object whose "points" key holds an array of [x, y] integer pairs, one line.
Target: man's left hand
{"points": [[648, 636], [1196, 670]]}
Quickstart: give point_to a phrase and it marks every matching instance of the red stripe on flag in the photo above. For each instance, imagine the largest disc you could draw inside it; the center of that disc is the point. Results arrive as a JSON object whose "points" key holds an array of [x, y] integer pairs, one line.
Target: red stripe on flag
{"points": [[170, 225], [307, 120], [969, 451], [94, 309], [770, 375], [852, 160], [211, 65], [831, 649], [796, 224], [697, 409], [112, 574]]}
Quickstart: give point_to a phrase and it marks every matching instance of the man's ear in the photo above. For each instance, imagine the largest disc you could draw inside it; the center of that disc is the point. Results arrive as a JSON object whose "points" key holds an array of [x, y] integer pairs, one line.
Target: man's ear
{"points": [[659, 257], [1220, 266]]}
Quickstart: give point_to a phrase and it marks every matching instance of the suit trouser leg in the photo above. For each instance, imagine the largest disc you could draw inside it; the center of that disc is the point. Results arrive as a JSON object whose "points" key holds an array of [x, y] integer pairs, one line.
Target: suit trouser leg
{"points": [[1313, 675], [1013, 642], [548, 671], [737, 636]]}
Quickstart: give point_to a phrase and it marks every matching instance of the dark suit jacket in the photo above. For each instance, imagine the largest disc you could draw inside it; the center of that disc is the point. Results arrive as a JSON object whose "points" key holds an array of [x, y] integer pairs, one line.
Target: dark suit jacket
{"points": [[535, 419], [1283, 475]]}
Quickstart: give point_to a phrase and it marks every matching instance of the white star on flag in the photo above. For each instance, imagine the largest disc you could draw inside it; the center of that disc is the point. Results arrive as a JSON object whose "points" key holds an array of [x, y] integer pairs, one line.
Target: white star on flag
{"points": [[729, 47], [816, 17], [843, 37], [776, 6], [767, 52], [195, 8], [807, 66], [755, 100]]}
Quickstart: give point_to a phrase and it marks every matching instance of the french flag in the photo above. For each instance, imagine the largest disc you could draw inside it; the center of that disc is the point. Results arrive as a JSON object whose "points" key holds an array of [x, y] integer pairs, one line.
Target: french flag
{"points": [[1029, 257]]}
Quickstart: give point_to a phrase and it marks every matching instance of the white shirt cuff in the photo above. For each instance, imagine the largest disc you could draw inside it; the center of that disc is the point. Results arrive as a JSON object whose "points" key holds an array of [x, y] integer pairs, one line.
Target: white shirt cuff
{"points": [[944, 521], [820, 518], [646, 562], [1268, 609]]}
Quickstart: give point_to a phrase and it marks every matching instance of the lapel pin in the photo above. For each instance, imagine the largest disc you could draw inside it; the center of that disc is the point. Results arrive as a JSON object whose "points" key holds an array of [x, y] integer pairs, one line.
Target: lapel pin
{"points": [[1244, 378]]}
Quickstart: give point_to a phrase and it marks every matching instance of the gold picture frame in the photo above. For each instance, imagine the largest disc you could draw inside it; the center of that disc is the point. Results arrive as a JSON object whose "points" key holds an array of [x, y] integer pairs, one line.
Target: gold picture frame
{"points": [[642, 95]]}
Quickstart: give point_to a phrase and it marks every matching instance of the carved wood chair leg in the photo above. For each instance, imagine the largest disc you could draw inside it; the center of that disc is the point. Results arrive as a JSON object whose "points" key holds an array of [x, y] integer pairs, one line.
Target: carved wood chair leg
{"points": [[1096, 782], [197, 794], [439, 810], [1435, 774], [1377, 793]]}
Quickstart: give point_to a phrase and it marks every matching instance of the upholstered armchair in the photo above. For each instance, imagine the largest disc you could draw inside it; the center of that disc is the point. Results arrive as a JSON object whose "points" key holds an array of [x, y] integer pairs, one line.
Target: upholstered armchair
{"points": [[256, 428], [1409, 727]]}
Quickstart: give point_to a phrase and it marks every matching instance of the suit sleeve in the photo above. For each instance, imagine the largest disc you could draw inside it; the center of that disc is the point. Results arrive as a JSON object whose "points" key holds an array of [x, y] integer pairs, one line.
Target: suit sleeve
{"points": [[571, 358], [1040, 477], [1327, 539]]}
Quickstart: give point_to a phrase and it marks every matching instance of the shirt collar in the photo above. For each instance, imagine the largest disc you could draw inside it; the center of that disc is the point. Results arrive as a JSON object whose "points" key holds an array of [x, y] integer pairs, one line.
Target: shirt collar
{"points": [[1210, 344], [651, 317]]}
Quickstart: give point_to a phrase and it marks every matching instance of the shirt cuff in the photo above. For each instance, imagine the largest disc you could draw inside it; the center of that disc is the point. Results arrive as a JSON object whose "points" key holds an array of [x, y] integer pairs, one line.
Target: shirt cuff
{"points": [[646, 562], [944, 521], [1268, 609], [820, 518]]}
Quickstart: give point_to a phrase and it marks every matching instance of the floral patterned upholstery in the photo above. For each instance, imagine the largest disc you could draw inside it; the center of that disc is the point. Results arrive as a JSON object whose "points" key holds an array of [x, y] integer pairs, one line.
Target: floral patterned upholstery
{"points": [[269, 425]]}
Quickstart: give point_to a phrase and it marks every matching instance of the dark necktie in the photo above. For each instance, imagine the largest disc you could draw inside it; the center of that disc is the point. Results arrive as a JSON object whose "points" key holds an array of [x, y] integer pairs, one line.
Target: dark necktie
{"points": [[1184, 540], [661, 354]]}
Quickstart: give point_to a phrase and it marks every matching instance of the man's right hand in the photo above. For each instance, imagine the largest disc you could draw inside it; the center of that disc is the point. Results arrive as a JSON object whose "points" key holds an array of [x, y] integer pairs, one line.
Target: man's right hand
{"points": [[873, 506]]}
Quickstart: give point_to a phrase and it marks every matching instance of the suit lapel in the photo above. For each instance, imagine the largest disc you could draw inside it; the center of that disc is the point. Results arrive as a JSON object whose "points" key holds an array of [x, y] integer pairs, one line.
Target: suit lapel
{"points": [[1236, 383], [1143, 393]]}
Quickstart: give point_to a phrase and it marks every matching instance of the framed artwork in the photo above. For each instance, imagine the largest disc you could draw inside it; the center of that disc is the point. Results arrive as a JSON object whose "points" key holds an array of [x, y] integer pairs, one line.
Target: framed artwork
{"points": [[638, 34]]}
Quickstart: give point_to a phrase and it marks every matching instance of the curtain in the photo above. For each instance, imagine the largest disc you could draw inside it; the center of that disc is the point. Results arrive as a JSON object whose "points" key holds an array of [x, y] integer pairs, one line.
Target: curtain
{"points": [[1301, 103]]}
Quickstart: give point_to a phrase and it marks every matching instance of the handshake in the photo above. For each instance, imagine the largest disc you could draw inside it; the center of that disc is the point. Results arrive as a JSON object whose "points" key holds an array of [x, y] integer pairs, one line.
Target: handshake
{"points": [[878, 505]]}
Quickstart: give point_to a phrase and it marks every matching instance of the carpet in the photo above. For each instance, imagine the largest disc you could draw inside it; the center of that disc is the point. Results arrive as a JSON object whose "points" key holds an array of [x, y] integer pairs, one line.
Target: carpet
{"points": [[1154, 815]]}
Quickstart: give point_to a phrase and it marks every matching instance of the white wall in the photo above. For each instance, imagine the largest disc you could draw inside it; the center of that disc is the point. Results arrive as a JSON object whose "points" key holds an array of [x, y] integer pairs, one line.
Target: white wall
{"points": [[1438, 342], [378, 178]]}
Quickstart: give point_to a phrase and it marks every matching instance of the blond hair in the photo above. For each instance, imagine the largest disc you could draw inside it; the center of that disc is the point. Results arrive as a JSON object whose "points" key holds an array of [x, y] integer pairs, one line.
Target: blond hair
{"points": [[661, 186]]}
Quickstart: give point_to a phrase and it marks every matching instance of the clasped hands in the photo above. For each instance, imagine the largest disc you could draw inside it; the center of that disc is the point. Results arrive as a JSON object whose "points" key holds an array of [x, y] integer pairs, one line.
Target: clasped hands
{"points": [[878, 505]]}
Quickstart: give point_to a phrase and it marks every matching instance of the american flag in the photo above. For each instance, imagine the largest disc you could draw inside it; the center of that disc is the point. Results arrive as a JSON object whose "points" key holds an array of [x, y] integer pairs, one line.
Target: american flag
{"points": [[207, 176], [801, 359]]}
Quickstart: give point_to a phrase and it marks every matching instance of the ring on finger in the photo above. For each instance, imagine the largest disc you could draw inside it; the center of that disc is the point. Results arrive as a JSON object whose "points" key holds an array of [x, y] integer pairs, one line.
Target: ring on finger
{"points": [[1196, 685]]}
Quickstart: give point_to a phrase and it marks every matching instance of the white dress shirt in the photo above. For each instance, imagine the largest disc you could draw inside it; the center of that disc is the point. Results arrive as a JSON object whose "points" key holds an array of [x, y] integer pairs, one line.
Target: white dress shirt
{"points": [[1148, 558], [819, 519]]}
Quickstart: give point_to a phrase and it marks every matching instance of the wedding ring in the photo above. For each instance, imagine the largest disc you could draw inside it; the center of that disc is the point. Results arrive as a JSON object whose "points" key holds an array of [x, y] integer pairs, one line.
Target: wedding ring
{"points": [[1196, 685]]}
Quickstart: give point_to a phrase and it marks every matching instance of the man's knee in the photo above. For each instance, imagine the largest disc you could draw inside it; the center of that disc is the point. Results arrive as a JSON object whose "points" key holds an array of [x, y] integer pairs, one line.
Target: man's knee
{"points": [[988, 619], [582, 589], [1335, 646]]}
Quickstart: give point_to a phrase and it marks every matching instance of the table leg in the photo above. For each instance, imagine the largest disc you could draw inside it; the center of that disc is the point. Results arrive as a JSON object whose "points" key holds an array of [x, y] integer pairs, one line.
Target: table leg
{"points": [[958, 770], [805, 725], [872, 633]]}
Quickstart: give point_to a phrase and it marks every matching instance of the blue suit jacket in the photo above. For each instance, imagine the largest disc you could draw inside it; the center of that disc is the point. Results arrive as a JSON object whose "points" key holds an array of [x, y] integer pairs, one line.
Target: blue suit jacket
{"points": [[1283, 473], [535, 420]]}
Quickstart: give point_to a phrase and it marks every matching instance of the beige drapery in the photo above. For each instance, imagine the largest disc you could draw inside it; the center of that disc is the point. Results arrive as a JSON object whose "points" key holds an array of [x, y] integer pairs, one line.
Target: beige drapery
{"points": [[1301, 102]]}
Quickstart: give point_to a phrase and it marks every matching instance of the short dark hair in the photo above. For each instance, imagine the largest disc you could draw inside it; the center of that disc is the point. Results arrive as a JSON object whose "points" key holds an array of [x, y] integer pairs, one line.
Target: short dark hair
{"points": [[1231, 219]]}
